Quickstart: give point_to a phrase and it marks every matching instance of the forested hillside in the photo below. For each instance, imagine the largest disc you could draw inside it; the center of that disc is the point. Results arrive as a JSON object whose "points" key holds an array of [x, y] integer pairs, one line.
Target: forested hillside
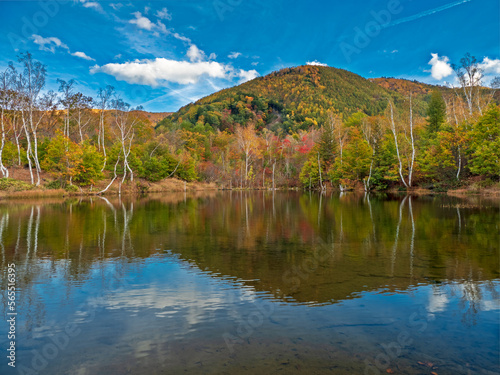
{"points": [[292, 99], [310, 127]]}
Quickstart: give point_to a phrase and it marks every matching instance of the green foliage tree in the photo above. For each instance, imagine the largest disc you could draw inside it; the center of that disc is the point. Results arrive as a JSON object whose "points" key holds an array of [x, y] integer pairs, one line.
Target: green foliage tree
{"points": [[357, 157], [485, 150], [436, 112], [157, 168], [309, 174]]}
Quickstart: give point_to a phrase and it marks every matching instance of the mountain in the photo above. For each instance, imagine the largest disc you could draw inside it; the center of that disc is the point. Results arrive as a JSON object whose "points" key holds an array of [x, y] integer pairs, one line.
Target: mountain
{"points": [[296, 98], [403, 86]]}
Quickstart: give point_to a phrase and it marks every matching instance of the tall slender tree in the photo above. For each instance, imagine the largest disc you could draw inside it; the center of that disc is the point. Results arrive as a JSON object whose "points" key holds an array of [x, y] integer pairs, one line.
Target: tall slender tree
{"points": [[31, 83], [104, 97]]}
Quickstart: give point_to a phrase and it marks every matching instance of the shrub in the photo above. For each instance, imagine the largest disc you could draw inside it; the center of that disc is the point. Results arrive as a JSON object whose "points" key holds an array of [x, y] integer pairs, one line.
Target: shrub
{"points": [[72, 189], [9, 184], [56, 184]]}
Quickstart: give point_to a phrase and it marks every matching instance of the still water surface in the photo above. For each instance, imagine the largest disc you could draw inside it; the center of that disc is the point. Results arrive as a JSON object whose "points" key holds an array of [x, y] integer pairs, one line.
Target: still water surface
{"points": [[253, 283]]}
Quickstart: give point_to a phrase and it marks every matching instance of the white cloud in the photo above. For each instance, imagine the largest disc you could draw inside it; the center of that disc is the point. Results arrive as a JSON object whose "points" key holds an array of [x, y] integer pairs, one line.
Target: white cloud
{"points": [[48, 44], [316, 63], [255, 63], [164, 14], [490, 66], [157, 28], [82, 55], [161, 27], [142, 22], [234, 55], [153, 72], [119, 56], [160, 71], [146, 10], [92, 5], [247, 75], [180, 37], [194, 54], [116, 6], [212, 56], [441, 67]]}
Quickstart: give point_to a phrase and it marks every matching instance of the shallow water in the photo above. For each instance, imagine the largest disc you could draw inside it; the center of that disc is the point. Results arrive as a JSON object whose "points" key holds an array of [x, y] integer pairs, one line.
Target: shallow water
{"points": [[253, 283]]}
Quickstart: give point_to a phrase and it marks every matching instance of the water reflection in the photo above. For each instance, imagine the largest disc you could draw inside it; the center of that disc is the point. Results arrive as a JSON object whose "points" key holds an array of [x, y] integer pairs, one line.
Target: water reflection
{"points": [[257, 237], [203, 262]]}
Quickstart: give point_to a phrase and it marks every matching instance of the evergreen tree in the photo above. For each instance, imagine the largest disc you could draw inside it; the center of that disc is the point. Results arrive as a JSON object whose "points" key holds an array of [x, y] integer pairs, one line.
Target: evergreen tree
{"points": [[436, 112]]}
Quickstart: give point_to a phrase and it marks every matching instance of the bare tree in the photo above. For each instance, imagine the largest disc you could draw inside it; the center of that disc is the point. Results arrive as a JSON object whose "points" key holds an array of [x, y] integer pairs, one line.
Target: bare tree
{"points": [[124, 131], [411, 141], [394, 130], [494, 86], [7, 82], [457, 116], [470, 74], [15, 107], [103, 101], [67, 101], [399, 129], [82, 113], [31, 82]]}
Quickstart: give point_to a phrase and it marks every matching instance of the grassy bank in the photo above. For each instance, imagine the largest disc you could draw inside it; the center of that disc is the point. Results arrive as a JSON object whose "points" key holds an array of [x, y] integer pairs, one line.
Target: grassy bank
{"points": [[20, 187], [15, 188]]}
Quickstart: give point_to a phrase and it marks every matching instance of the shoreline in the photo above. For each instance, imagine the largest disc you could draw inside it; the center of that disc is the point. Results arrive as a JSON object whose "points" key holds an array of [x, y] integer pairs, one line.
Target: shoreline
{"points": [[142, 187]]}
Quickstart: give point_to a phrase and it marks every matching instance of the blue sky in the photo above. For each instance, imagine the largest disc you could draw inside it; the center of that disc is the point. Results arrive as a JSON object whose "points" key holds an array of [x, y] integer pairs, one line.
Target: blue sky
{"points": [[165, 54]]}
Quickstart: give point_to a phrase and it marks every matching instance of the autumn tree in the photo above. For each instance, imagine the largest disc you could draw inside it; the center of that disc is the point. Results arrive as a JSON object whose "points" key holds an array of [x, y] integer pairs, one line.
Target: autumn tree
{"points": [[62, 158], [88, 170], [247, 141], [310, 172]]}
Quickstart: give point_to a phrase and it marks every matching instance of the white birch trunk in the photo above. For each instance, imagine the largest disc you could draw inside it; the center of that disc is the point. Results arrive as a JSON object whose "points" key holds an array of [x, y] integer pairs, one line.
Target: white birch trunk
{"points": [[394, 132]]}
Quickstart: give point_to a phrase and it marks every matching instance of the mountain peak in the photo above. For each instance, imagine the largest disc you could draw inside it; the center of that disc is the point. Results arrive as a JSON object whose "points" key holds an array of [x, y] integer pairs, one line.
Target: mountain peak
{"points": [[295, 98]]}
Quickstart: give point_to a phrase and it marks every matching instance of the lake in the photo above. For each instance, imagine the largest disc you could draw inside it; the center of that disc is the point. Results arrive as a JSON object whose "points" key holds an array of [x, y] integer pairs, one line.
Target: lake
{"points": [[252, 283]]}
